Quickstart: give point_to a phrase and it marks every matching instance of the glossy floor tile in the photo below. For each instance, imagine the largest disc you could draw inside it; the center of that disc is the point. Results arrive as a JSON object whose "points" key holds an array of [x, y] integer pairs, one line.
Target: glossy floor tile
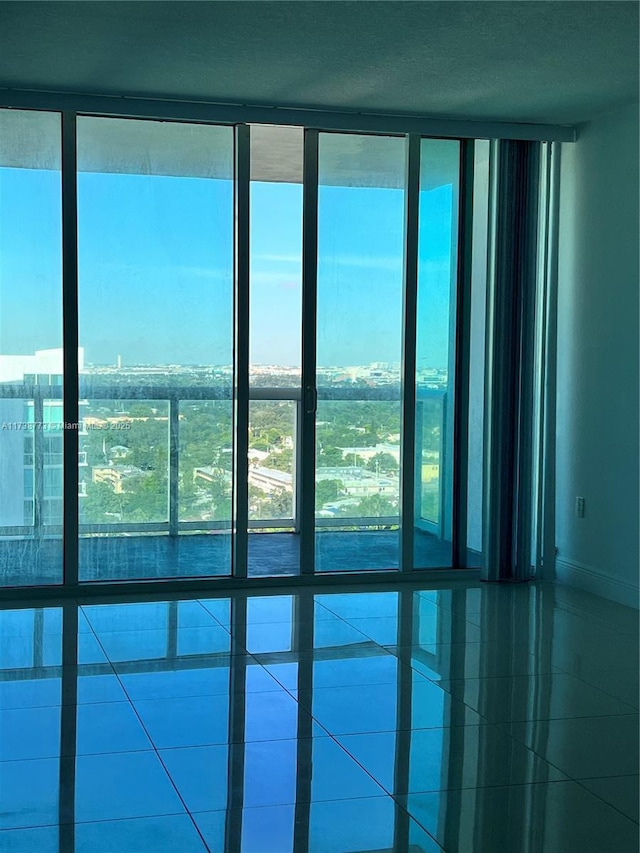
{"points": [[619, 682], [372, 824], [30, 793], [467, 719], [621, 792], [557, 817], [472, 660], [140, 835], [28, 733], [584, 747], [122, 785], [205, 677], [374, 708], [191, 721], [560, 696], [428, 759], [144, 835]]}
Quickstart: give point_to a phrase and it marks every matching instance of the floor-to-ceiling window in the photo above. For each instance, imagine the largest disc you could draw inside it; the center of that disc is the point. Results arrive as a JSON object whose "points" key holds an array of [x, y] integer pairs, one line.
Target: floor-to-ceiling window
{"points": [[160, 290], [155, 287], [275, 349], [435, 350], [359, 351], [31, 357]]}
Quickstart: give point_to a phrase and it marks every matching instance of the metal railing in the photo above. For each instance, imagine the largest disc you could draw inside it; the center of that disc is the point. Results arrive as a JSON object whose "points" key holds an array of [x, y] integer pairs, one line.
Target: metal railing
{"points": [[36, 395]]}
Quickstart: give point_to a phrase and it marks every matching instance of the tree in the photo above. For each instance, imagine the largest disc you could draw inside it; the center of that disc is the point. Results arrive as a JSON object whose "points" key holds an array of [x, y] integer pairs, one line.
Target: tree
{"points": [[330, 457], [281, 461], [382, 463], [147, 499], [375, 506], [327, 491], [100, 505], [278, 505], [142, 410]]}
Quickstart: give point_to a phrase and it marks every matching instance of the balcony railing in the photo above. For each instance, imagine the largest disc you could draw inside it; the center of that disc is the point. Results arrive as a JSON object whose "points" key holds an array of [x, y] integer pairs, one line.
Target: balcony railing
{"points": [[35, 396]]}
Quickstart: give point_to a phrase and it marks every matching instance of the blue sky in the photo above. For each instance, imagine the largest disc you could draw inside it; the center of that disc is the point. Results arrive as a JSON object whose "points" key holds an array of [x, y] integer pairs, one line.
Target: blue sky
{"points": [[155, 266]]}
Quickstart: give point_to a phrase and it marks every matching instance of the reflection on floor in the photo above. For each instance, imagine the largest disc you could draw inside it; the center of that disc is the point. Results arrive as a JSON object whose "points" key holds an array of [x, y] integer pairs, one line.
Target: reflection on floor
{"points": [[469, 719], [126, 557]]}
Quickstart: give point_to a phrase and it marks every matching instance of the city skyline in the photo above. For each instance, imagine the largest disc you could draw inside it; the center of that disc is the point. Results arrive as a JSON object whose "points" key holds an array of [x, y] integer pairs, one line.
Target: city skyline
{"points": [[49, 363]]}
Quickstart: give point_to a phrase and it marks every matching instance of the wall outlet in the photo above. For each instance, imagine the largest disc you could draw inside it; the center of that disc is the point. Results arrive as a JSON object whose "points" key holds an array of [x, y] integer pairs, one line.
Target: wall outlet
{"points": [[580, 507]]}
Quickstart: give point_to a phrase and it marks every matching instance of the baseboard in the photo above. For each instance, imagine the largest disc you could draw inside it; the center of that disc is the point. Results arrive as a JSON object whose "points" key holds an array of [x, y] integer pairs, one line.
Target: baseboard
{"points": [[591, 579]]}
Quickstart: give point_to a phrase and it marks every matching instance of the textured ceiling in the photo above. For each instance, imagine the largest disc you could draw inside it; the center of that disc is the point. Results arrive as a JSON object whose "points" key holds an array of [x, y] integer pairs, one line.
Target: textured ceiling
{"points": [[559, 61]]}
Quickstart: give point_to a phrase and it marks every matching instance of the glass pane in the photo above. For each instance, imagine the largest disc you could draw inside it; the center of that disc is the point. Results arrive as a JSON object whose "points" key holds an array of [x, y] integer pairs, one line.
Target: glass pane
{"points": [[435, 350], [275, 327], [275, 346], [155, 246], [359, 347], [274, 542], [31, 427], [477, 353], [123, 462], [271, 461], [205, 463]]}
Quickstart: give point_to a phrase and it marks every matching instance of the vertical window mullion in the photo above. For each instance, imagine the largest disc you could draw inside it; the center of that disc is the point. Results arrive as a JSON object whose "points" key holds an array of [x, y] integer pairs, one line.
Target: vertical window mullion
{"points": [[38, 455], [70, 347], [524, 511], [462, 356], [546, 520], [309, 330], [174, 465], [241, 349], [410, 325], [540, 356]]}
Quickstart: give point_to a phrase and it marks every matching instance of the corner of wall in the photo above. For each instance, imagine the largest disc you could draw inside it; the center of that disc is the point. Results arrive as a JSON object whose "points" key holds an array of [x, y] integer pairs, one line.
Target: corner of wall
{"points": [[597, 424]]}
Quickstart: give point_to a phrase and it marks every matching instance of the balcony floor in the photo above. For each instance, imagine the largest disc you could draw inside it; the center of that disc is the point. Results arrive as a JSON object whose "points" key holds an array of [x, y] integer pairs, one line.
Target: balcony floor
{"points": [[28, 562]]}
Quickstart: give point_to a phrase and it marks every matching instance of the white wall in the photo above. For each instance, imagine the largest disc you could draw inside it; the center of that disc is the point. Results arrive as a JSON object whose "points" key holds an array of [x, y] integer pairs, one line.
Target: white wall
{"points": [[597, 414]]}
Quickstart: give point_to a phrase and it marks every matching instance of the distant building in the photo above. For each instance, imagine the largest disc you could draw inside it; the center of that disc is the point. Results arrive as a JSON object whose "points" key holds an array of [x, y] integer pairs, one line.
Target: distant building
{"points": [[270, 480], [430, 472], [117, 476], [368, 453], [44, 367], [210, 474], [358, 482], [118, 451], [207, 473], [30, 452]]}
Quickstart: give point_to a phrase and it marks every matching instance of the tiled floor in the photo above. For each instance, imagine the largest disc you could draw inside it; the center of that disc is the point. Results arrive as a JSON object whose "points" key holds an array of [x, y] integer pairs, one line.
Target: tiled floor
{"points": [[469, 718]]}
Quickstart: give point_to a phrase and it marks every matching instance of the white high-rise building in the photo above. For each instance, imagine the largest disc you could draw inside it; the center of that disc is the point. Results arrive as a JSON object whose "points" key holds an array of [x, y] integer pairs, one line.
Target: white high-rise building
{"points": [[31, 439]]}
